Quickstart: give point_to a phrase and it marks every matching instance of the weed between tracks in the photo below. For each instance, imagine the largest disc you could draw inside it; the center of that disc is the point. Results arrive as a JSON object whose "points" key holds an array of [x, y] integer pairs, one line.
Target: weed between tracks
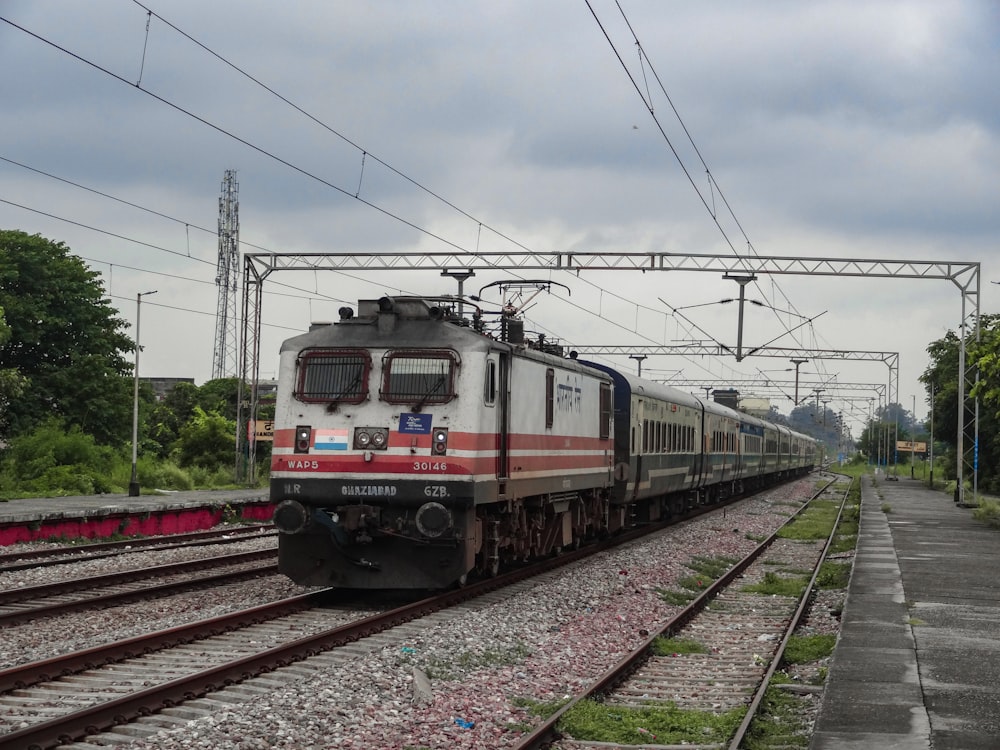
{"points": [[707, 570], [661, 724], [468, 661]]}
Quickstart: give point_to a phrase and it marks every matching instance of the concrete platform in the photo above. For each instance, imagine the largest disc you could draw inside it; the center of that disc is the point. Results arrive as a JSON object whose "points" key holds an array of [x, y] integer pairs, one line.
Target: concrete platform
{"points": [[917, 665], [105, 516]]}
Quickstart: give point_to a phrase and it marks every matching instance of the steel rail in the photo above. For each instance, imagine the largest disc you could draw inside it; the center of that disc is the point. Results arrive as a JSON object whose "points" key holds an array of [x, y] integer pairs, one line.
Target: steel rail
{"points": [[27, 593], [21, 616], [13, 561]]}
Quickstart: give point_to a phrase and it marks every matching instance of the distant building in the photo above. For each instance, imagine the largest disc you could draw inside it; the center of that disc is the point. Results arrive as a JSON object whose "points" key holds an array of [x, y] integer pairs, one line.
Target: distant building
{"points": [[162, 386], [756, 407]]}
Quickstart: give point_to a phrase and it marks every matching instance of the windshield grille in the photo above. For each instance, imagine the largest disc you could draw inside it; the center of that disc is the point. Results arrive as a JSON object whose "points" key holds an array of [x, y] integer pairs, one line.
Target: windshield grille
{"points": [[333, 376], [419, 377]]}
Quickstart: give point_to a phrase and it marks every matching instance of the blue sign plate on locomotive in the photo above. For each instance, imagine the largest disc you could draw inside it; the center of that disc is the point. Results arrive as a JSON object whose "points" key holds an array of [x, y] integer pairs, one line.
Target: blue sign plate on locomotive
{"points": [[419, 424]]}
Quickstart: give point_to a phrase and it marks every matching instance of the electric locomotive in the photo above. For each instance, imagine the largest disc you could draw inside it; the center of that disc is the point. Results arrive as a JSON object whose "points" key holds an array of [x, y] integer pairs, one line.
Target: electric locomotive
{"points": [[412, 449]]}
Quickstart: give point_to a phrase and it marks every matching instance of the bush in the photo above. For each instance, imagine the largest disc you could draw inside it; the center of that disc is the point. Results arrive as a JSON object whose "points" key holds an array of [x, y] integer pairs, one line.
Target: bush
{"points": [[988, 512], [206, 441], [56, 461]]}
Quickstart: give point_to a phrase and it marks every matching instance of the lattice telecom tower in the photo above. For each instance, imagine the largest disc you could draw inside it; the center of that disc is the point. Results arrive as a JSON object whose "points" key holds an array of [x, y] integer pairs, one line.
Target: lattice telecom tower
{"points": [[227, 279]]}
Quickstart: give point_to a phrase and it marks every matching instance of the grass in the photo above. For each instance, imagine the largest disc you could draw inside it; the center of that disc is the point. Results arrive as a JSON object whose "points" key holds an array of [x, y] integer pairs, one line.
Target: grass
{"points": [[707, 570], [777, 723], [654, 724], [776, 585], [833, 575], [802, 649], [468, 661], [886, 508], [542, 709], [988, 512], [815, 522]]}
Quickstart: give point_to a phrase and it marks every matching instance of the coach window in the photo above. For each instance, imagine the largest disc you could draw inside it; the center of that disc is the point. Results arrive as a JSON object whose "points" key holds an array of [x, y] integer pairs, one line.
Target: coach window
{"points": [[550, 397], [490, 386]]}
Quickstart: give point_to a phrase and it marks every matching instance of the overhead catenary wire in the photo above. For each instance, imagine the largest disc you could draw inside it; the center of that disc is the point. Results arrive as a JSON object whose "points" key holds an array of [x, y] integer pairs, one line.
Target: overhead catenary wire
{"points": [[294, 167], [713, 184]]}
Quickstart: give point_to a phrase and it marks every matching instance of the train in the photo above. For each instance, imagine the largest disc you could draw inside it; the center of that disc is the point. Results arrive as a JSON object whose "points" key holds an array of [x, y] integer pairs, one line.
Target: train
{"points": [[424, 441]]}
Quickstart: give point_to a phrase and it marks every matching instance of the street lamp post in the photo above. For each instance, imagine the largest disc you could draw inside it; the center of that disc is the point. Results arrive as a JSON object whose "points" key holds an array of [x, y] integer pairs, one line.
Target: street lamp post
{"points": [[133, 485]]}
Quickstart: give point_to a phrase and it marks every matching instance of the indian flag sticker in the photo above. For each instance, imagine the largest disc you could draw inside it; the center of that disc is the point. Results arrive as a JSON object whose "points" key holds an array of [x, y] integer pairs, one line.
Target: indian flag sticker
{"points": [[330, 440]]}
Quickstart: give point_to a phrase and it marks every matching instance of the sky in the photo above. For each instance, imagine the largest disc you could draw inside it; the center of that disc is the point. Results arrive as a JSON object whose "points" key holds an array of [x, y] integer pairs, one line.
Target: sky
{"points": [[830, 129]]}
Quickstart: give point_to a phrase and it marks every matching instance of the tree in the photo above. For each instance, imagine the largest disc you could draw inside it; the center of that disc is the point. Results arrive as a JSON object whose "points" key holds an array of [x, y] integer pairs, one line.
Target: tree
{"points": [[65, 342], [11, 382], [942, 376], [206, 441]]}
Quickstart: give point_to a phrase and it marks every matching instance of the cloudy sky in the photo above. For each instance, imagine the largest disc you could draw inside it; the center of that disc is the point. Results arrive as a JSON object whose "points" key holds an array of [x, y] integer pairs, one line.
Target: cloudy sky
{"points": [[779, 128]]}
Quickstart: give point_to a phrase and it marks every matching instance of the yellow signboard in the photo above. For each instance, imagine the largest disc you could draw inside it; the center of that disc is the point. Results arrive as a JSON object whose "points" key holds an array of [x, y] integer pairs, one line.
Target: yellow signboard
{"points": [[907, 447], [259, 430]]}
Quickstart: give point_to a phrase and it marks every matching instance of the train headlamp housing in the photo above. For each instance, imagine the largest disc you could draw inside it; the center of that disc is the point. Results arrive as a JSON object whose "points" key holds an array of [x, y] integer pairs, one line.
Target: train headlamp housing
{"points": [[303, 437], [371, 438], [439, 446]]}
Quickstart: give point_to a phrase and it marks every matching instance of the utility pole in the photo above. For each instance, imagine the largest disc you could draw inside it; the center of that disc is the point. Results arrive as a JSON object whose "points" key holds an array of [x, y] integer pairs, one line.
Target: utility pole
{"points": [[133, 484]]}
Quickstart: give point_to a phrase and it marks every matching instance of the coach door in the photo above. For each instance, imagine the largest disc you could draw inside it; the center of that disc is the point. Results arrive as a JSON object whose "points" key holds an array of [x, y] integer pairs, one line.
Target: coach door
{"points": [[503, 417]]}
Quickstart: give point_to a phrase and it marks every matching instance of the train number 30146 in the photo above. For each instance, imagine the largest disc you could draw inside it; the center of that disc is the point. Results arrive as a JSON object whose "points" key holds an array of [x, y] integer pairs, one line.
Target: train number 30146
{"points": [[430, 466]]}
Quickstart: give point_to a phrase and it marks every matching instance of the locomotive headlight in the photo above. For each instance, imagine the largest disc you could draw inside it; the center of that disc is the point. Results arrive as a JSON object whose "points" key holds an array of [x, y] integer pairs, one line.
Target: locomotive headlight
{"points": [[303, 435], [371, 438], [440, 444]]}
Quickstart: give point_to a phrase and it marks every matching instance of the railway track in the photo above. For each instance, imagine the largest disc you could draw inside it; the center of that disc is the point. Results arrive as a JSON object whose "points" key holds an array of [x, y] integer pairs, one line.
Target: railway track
{"points": [[113, 698], [66, 554], [61, 700], [730, 641], [23, 604]]}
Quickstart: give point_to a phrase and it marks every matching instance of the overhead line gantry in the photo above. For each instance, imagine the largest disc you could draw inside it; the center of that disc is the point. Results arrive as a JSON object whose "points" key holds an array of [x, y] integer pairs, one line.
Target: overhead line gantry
{"points": [[964, 275]]}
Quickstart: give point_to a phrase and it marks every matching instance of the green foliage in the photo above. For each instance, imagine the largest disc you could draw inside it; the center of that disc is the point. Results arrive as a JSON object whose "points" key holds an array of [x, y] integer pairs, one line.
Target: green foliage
{"points": [[943, 375], [711, 567], [777, 585], [220, 396], [815, 522], [206, 441], [65, 342], [777, 723], [833, 575], [542, 709], [660, 724], [802, 649], [988, 512], [463, 662], [53, 460]]}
